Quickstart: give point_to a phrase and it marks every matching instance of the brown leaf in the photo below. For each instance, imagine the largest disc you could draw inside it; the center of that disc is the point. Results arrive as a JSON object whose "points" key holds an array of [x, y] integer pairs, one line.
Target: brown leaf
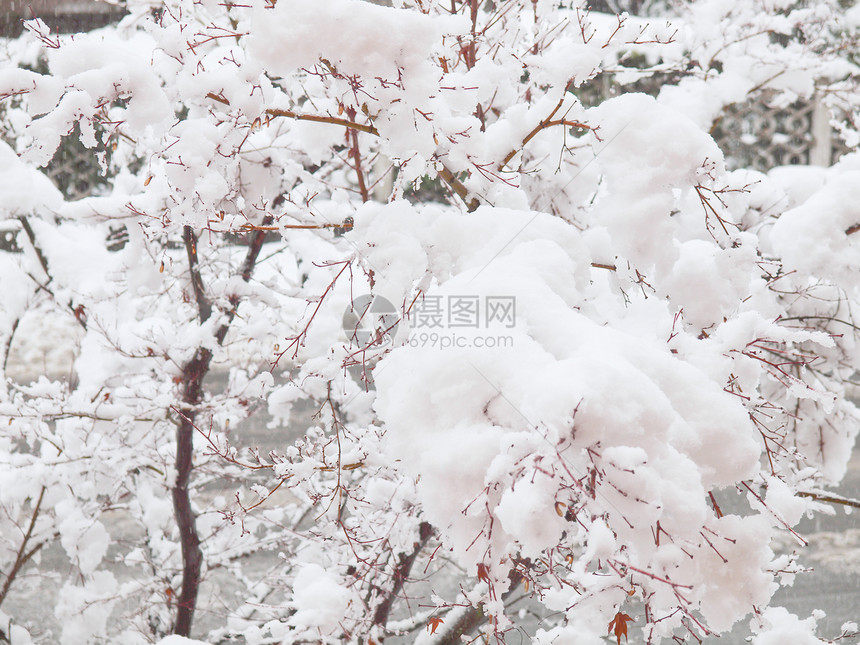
{"points": [[434, 623], [483, 573], [618, 625]]}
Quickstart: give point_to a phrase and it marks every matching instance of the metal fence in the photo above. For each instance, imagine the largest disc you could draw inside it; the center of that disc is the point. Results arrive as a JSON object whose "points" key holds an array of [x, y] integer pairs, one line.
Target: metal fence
{"points": [[760, 135]]}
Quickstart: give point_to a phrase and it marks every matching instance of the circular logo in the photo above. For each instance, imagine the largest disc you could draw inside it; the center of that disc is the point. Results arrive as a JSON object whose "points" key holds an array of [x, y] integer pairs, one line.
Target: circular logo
{"points": [[370, 320]]}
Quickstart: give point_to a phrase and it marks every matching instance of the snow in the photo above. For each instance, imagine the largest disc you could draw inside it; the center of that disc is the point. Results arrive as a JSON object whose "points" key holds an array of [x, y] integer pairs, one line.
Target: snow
{"points": [[354, 36], [782, 501], [123, 73], [828, 215], [642, 171], [777, 625], [173, 639], [26, 191], [565, 60], [85, 611], [672, 333], [319, 600]]}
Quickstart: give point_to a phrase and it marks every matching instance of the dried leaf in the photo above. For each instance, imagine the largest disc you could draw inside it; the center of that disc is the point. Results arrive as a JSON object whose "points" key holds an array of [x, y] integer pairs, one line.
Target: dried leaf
{"points": [[434, 623], [618, 626]]}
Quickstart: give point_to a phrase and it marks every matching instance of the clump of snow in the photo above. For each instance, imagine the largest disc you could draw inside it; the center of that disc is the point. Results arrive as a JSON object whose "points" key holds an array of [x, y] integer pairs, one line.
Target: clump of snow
{"points": [[814, 236], [319, 599], [642, 170], [354, 36], [85, 542], [83, 611], [576, 394], [25, 190], [777, 626]]}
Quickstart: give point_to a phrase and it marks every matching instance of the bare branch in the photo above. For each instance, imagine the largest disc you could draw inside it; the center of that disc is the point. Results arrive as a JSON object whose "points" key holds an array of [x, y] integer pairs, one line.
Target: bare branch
{"points": [[446, 175], [78, 311], [204, 308], [470, 618], [23, 555], [333, 120], [9, 340], [401, 574], [831, 499], [457, 186], [548, 122]]}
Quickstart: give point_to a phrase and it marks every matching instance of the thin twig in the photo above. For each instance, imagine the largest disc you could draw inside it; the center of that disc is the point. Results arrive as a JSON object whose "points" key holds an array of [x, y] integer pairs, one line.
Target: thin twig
{"points": [[472, 617], [548, 122], [333, 120], [253, 227], [43, 262], [446, 175], [401, 574], [355, 153], [830, 499], [775, 515]]}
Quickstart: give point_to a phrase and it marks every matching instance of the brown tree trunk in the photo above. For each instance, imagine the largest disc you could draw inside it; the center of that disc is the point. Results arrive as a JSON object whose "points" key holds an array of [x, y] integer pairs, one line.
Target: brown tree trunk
{"points": [[193, 374], [192, 557]]}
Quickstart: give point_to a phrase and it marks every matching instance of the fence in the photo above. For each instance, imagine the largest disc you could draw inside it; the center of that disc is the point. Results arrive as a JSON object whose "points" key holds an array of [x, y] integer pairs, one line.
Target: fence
{"points": [[757, 135]]}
